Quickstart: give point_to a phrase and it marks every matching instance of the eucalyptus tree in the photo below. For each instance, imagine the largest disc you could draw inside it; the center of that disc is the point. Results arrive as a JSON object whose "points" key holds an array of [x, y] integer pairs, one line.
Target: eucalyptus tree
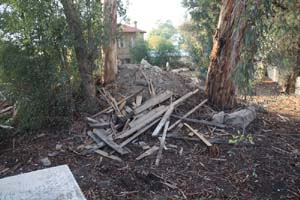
{"points": [[283, 42], [61, 45]]}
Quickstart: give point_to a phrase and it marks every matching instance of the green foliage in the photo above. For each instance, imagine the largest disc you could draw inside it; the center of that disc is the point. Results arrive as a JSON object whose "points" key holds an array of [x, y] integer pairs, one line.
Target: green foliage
{"points": [[256, 17], [140, 50], [38, 68], [197, 33], [164, 44], [240, 138], [281, 45], [164, 30], [36, 84], [164, 52]]}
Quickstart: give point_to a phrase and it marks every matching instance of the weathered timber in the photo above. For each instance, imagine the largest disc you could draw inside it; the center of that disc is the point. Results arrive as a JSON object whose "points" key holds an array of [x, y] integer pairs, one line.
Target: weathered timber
{"points": [[109, 142], [148, 152], [170, 110], [199, 135], [187, 114], [153, 101], [110, 108], [105, 154], [6, 127], [163, 120], [137, 134], [199, 121], [138, 100], [148, 120], [162, 143], [143, 117], [10, 108]]}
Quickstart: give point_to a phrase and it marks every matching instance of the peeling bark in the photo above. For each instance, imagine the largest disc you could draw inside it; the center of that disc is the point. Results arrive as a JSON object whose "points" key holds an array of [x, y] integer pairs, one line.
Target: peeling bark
{"points": [[228, 40]]}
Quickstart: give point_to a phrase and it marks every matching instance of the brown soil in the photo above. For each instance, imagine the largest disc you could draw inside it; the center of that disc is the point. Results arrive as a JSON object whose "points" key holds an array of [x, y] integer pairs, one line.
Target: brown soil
{"points": [[268, 169]]}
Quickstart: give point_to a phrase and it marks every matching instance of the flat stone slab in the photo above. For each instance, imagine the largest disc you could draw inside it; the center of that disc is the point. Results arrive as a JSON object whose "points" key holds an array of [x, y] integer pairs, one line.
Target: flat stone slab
{"points": [[56, 183]]}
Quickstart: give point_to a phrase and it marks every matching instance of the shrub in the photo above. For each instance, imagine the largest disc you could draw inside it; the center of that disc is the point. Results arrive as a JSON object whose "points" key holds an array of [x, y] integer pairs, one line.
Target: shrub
{"points": [[37, 84]]}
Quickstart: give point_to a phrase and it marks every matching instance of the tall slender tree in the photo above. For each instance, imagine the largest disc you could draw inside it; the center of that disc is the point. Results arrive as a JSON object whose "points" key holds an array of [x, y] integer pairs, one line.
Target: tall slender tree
{"points": [[85, 58], [110, 45]]}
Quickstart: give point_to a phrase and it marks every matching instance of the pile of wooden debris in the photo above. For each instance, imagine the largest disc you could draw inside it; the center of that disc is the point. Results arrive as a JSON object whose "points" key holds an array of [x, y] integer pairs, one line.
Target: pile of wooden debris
{"points": [[125, 120]]}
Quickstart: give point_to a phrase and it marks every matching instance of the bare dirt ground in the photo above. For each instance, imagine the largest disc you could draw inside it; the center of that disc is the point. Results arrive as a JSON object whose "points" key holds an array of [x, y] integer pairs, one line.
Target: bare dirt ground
{"points": [[267, 169]]}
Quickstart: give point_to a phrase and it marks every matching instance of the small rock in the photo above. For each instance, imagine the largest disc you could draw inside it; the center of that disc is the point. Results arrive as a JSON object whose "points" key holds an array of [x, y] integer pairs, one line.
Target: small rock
{"points": [[145, 62], [58, 147], [53, 154], [218, 118], [46, 162]]}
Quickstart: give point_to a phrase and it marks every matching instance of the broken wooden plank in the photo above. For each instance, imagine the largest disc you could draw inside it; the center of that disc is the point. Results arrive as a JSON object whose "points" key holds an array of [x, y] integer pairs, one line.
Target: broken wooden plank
{"points": [[9, 108], [6, 127], [153, 101], [118, 103], [91, 120], [137, 134], [163, 120], [143, 117], [112, 101], [97, 124], [148, 152], [109, 142], [199, 135], [199, 121], [187, 114], [106, 155], [170, 110], [138, 100], [151, 118], [162, 143]]}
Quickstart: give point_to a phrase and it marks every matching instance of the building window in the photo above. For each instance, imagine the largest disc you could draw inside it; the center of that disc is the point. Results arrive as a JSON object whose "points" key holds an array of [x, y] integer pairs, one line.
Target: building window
{"points": [[121, 43], [132, 42]]}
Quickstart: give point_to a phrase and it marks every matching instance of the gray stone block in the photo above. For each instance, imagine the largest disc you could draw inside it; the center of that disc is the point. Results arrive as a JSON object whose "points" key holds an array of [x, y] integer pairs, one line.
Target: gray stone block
{"points": [[56, 183]]}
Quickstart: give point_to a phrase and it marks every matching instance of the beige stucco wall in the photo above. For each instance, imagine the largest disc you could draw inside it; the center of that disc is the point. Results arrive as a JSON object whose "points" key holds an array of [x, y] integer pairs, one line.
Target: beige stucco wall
{"points": [[128, 39]]}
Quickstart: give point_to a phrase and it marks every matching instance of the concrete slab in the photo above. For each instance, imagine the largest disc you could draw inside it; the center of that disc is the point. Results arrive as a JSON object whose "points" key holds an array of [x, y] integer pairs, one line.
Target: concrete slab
{"points": [[56, 183]]}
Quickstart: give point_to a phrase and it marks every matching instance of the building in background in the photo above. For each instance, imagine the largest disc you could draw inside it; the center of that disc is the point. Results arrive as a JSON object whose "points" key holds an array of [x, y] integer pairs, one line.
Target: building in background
{"points": [[126, 41]]}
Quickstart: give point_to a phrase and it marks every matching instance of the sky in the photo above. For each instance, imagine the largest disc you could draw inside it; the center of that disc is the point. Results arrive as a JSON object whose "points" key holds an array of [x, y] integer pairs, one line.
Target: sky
{"points": [[148, 12]]}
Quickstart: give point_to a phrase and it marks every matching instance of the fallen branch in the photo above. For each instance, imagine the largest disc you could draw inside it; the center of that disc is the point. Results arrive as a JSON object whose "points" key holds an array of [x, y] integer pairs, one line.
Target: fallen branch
{"points": [[187, 114], [112, 101]]}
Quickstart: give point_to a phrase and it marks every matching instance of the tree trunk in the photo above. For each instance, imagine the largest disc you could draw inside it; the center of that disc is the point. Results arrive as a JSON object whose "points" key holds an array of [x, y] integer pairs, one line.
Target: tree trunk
{"points": [[291, 82], [110, 47], [84, 63], [228, 40]]}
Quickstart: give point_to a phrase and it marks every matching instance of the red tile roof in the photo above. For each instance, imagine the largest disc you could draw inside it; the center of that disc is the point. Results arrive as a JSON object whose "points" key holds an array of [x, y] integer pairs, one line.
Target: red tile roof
{"points": [[130, 29]]}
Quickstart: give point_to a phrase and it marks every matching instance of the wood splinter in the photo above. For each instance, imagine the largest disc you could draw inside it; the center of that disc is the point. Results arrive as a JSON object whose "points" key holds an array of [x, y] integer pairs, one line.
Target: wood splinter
{"points": [[199, 135]]}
